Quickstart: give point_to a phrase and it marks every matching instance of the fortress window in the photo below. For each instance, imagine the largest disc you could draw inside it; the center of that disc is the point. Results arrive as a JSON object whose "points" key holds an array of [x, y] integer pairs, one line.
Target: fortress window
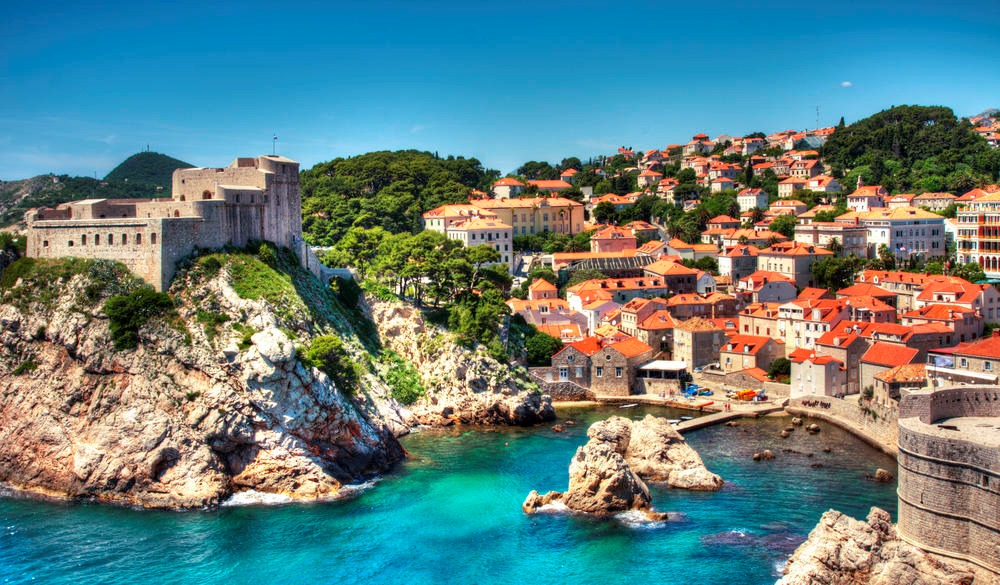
{"points": [[71, 243], [138, 238], [45, 243], [111, 239], [986, 480], [177, 213], [152, 238], [83, 240], [124, 239], [183, 198], [97, 239], [237, 197], [206, 194]]}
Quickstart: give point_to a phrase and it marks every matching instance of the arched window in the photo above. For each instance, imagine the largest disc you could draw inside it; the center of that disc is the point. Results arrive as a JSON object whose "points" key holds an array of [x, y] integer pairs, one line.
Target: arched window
{"points": [[177, 213], [83, 240], [124, 239], [206, 194], [111, 239], [183, 198], [138, 239], [97, 239], [152, 238]]}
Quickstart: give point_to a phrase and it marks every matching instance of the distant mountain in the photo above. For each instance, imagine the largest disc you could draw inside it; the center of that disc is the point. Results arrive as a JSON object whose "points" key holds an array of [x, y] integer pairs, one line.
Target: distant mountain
{"points": [[147, 174], [150, 168], [987, 113]]}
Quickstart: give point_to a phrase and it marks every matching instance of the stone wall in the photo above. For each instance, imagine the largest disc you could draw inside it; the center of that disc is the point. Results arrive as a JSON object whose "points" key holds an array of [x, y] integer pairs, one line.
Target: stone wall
{"points": [[876, 424], [949, 480]]}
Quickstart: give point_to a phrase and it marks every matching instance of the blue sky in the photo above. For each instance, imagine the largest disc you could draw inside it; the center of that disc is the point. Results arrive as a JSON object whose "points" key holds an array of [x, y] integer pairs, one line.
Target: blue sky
{"points": [[84, 85]]}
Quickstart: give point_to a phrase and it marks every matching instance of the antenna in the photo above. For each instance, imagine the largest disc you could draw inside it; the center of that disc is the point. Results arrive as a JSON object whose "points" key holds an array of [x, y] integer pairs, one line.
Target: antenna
{"points": [[817, 117], [274, 144]]}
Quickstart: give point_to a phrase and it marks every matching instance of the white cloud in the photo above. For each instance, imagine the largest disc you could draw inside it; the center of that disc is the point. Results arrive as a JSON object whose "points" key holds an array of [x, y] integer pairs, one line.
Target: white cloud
{"points": [[846, 84]]}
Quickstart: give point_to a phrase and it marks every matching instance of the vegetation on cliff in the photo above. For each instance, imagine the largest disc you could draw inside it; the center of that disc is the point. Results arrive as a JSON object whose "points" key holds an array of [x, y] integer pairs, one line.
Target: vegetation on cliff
{"points": [[384, 189], [912, 148], [147, 168]]}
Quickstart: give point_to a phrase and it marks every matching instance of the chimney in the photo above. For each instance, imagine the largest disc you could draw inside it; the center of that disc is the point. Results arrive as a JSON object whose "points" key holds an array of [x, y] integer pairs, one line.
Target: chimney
{"points": [[996, 333]]}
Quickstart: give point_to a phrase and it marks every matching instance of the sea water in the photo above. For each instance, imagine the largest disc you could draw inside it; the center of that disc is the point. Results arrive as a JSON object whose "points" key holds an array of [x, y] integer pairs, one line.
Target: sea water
{"points": [[452, 514]]}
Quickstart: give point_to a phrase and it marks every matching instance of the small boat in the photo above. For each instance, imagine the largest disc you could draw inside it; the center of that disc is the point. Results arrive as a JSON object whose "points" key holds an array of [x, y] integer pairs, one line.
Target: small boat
{"points": [[687, 417], [628, 406], [674, 421]]}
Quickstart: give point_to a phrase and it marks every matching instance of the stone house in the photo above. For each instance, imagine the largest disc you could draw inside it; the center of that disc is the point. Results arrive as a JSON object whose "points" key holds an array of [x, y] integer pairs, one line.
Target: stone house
{"points": [[541, 289], [881, 357], [890, 384], [677, 277], [752, 198], [612, 239], [742, 352], [845, 344], [739, 261], [535, 215], [867, 198], [815, 375], [613, 367], [634, 312], [966, 323], [766, 287], [697, 342], [657, 331], [794, 260]]}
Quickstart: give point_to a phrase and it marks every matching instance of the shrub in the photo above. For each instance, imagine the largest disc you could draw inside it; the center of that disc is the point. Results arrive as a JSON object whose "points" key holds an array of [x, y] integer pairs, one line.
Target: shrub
{"points": [[267, 254], [327, 354], [25, 367], [127, 313], [403, 379], [211, 321]]}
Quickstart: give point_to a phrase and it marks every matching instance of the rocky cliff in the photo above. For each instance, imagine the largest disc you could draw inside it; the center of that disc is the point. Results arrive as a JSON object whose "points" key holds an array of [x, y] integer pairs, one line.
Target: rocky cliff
{"points": [[462, 385], [213, 400], [845, 551]]}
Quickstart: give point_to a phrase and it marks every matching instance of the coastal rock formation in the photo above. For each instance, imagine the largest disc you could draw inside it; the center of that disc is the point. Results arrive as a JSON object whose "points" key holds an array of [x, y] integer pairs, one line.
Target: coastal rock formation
{"points": [[656, 452], [462, 385], [189, 417], [845, 551], [600, 483]]}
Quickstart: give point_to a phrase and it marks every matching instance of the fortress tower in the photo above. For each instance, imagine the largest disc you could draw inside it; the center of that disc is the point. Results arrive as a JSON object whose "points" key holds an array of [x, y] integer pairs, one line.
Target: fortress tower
{"points": [[251, 199], [949, 473]]}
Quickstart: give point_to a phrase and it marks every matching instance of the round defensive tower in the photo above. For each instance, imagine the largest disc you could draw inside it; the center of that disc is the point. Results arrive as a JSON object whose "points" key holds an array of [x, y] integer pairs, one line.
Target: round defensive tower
{"points": [[949, 473]]}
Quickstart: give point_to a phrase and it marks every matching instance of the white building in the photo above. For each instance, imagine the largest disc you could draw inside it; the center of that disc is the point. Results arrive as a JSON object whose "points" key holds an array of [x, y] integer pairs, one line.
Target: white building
{"points": [[749, 199]]}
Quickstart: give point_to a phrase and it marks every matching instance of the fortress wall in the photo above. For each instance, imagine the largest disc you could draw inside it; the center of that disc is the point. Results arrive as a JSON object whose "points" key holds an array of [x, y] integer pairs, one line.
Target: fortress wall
{"points": [[129, 241], [192, 183], [949, 482]]}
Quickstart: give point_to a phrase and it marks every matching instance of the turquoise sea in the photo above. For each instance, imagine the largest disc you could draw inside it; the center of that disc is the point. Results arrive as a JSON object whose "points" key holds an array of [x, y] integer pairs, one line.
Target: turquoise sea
{"points": [[452, 514]]}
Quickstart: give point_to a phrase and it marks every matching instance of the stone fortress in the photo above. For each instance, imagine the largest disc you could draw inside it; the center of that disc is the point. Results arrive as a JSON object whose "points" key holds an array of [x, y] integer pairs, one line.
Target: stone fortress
{"points": [[251, 199], [949, 473]]}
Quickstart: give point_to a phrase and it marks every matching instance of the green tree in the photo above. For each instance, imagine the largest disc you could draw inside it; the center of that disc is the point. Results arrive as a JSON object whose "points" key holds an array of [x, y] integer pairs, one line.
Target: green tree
{"points": [[784, 224], [541, 347], [128, 313], [604, 212], [972, 272], [780, 368]]}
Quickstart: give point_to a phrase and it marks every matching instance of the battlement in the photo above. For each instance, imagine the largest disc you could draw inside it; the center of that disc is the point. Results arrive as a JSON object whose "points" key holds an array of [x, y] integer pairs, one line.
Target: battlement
{"points": [[251, 199]]}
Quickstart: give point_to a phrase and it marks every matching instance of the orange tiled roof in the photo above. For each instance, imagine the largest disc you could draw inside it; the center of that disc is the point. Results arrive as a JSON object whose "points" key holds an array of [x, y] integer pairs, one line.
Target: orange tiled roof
{"points": [[988, 347], [904, 373], [508, 182], [751, 344], [888, 354], [697, 324], [658, 320], [940, 311], [866, 289], [802, 354], [630, 347], [540, 284]]}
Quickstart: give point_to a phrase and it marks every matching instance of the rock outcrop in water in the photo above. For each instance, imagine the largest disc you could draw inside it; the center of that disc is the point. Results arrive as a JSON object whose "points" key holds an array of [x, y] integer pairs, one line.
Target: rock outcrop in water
{"points": [[604, 476], [845, 551], [656, 452], [193, 414], [600, 483], [462, 385]]}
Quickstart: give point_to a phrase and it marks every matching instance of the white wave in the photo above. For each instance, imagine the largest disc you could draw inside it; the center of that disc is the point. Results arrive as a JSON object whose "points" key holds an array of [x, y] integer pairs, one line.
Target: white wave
{"points": [[554, 508], [779, 568], [639, 519], [255, 498]]}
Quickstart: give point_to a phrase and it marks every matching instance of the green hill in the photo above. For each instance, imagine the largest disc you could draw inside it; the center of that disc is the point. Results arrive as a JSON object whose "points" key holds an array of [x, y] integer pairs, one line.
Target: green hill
{"points": [[384, 189], [912, 148], [143, 175], [149, 168]]}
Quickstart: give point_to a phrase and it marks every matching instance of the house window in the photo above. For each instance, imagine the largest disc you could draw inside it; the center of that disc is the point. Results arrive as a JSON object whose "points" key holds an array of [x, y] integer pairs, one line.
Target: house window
{"points": [[71, 243], [963, 363], [618, 372], [111, 239], [97, 239], [563, 373], [579, 372], [83, 240], [987, 366], [600, 371], [124, 239], [45, 243], [138, 238], [152, 238]]}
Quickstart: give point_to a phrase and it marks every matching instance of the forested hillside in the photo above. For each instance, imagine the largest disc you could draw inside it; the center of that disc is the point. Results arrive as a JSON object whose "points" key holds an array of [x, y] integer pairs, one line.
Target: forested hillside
{"points": [[912, 148], [148, 168], [384, 189], [136, 177]]}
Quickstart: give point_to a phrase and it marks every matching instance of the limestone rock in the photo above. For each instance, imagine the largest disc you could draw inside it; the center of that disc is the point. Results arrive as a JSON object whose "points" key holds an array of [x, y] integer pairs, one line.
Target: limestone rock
{"points": [[657, 452], [176, 422], [882, 475], [601, 483], [462, 385], [845, 551]]}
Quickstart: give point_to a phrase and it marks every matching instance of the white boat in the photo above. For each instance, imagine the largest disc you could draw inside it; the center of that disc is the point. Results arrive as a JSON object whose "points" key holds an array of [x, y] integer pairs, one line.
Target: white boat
{"points": [[628, 406]]}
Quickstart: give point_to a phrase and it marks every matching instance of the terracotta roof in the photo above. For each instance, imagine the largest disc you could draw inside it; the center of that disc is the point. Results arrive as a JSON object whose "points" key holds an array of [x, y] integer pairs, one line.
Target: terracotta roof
{"points": [[669, 267], [526, 202], [479, 224], [904, 373], [517, 305], [586, 346], [508, 182], [458, 210], [940, 311], [810, 293], [697, 324], [751, 344], [756, 373], [988, 347], [541, 284], [557, 184], [613, 232], [630, 347], [889, 354], [869, 191], [802, 354], [658, 320], [742, 250], [795, 249], [569, 172], [865, 289]]}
